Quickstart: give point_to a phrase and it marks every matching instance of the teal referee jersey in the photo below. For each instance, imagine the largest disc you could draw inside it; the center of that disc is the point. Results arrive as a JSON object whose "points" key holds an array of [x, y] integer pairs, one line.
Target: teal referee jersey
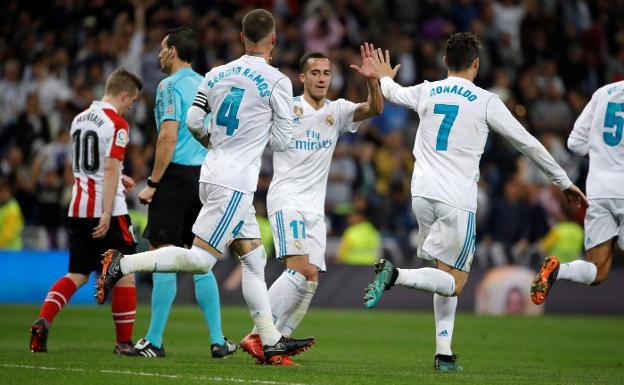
{"points": [[174, 96]]}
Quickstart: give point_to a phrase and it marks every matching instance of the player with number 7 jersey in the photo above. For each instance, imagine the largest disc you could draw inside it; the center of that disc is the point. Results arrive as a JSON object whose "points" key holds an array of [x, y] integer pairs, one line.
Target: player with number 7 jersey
{"points": [[456, 117]]}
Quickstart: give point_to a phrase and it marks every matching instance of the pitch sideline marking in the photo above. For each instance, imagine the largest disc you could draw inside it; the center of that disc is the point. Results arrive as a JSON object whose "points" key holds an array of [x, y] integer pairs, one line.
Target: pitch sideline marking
{"points": [[111, 371]]}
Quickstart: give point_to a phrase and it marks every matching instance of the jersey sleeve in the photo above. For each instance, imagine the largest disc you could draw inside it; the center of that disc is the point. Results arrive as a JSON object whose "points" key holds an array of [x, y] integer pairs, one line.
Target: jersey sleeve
{"points": [[578, 142], [346, 109], [199, 109], [116, 147], [500, 119], [281, 101], [169, 102], [403, 96]]}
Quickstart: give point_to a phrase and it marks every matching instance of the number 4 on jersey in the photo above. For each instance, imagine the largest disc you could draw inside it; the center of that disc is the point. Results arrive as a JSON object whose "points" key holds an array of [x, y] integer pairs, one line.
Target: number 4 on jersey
{"points": [[226, 116]]}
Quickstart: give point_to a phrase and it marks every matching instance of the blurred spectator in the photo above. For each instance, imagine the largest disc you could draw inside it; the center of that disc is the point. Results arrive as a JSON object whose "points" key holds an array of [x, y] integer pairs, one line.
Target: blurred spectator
{"points": [[11, 219], [565, 239], [12, 94], [360, 243], [31, 130], [322, 30]]}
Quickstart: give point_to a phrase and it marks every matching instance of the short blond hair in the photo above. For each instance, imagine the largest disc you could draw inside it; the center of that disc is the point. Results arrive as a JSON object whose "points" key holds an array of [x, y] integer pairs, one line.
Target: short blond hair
{"points": [[122, 80]]}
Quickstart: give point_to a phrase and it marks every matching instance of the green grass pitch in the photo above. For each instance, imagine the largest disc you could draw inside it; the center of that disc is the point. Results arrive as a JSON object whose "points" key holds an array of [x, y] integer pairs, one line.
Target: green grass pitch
{"points": [[354, 347]]}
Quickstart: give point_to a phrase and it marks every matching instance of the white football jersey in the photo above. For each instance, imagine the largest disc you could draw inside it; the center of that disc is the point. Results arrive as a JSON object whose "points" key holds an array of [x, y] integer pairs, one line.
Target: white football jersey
{"points": [[455, 119], [97, 133], [300, 173], [598, 132], [251, 104]]}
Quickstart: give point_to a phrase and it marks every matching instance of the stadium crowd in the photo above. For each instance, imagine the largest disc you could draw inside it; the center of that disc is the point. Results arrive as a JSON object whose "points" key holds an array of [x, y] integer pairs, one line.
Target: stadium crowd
{"points": [[543, 58]]}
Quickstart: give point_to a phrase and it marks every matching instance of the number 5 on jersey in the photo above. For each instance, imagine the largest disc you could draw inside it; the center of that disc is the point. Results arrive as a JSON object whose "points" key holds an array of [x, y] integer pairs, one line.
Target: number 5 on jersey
{"points": [[226, 116], [450, 114], [612, 120]]}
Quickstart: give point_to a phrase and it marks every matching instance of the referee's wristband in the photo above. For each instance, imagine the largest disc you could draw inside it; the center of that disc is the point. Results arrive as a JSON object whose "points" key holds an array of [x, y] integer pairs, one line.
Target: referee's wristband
{"points": [[151, 183]]}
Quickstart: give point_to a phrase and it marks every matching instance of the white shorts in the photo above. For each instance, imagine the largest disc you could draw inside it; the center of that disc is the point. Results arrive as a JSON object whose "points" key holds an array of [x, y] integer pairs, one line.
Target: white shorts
{"points": [[299, 233], [445, 233], [226, 215], [604, 220]]}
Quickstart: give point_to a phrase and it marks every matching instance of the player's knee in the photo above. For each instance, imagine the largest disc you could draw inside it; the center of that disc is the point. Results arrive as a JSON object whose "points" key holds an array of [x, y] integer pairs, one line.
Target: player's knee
{"points": [[78, 279], [126, 281], [311, 273], [459, 286], [255, 261], [601, 276], [201, 259]]}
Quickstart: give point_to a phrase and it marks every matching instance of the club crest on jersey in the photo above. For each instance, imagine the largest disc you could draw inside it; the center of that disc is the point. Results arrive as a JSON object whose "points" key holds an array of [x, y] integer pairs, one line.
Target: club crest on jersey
{"points": [[169, 110], [298, 110], [298, 244], [329, 120], [122, 138]]}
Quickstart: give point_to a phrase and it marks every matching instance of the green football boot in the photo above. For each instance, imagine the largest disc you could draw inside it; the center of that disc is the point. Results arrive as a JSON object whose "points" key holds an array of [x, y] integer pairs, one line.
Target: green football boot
{"points": [[446, 363], [384, 271]]}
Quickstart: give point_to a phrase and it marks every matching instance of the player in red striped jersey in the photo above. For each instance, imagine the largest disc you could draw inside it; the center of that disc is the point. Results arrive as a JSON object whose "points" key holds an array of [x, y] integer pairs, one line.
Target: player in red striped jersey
{"points": [[98, 214]]}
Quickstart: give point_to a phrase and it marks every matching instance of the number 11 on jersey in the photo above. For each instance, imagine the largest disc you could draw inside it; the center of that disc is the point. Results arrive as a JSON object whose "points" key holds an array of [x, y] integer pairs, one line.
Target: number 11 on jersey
{"points": [[450, 114], [226, 116]]}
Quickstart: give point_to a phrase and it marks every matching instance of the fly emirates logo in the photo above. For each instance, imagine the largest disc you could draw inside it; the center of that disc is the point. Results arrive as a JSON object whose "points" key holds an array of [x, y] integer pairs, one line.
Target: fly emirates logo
{"points": [[311, 142]]}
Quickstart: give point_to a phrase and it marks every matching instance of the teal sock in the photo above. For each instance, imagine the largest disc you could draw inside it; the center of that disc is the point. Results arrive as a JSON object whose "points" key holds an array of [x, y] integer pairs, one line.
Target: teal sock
{"points": [[163, 294], [207, 295]]}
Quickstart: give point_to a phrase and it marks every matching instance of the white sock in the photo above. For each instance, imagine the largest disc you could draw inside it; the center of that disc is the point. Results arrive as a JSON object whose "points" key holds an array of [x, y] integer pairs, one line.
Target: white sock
{"points": [[578, 271], [304, 295], [427, 279], [168, 260], [282, 293], [257, 297], [444, 310]]}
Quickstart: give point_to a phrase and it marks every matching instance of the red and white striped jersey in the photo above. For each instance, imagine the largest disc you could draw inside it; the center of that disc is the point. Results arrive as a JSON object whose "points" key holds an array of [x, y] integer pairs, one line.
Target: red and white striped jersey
{"points": [[97, 133]]}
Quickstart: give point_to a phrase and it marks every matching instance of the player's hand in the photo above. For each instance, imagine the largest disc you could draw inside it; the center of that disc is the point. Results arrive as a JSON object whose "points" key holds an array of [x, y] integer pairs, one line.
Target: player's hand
{"points": [[128, 183], [146, 195], [574, 194], [367, 68], [381, 64], [101, 229]]}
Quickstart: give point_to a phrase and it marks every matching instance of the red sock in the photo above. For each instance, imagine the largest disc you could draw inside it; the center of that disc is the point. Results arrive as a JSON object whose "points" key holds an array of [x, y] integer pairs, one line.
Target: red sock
{"points": [[57, 298], [124, 311]]}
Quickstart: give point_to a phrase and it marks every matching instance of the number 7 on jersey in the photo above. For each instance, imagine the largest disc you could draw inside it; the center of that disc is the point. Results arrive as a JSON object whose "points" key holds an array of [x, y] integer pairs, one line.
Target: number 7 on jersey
{"points": [[450, 114]]}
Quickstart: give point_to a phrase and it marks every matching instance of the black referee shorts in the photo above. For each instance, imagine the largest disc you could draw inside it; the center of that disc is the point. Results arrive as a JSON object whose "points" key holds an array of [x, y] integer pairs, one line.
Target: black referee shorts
{"points": [[174, 207], [85, 253]]}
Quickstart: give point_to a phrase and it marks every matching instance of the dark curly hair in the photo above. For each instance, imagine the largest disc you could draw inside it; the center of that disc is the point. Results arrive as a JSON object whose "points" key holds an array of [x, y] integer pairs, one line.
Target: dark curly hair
{"points": [[461, 49]]}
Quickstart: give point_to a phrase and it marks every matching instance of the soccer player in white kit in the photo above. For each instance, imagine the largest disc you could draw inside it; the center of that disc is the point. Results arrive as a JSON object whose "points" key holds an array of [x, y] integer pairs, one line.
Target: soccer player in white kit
{"points": [[251, 104], [296, 197], [455, 119], [597, 133]]}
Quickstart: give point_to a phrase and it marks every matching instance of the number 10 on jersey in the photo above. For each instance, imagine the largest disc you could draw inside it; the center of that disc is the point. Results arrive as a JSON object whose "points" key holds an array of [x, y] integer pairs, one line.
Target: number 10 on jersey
{"points": [[226, 116]]}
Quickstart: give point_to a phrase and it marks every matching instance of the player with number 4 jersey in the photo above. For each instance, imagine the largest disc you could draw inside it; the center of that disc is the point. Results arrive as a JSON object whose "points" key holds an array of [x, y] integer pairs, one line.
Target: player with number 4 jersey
{"points": [[456, 117], [251, 104], [597, 133]]}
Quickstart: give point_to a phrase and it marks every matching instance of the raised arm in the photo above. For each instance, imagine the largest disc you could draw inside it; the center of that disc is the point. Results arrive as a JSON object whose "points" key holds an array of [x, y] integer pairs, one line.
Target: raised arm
{"points": [[403, 96], [281, 100], [500, 119], [374, 103]]}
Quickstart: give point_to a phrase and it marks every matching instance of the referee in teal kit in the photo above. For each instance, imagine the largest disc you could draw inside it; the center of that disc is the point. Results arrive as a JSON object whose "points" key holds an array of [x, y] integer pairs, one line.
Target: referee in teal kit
{"points": [[172, 193]]}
